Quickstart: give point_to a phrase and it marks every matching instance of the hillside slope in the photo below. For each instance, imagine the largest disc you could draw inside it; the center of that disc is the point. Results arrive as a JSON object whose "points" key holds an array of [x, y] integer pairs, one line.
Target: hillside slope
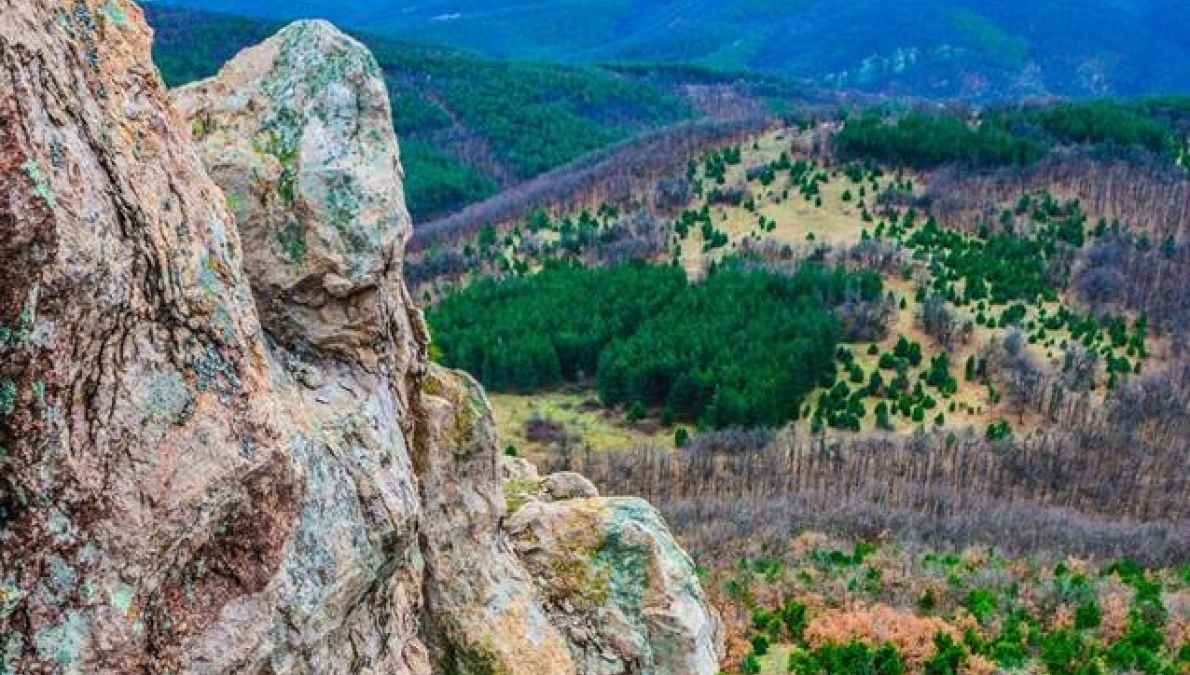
{"points": [[974, 49]]}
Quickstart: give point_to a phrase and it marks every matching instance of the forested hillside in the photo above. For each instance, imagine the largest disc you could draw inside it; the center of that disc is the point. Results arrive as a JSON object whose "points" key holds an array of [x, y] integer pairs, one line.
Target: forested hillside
{"points": [[974, 49], [953, 340]]}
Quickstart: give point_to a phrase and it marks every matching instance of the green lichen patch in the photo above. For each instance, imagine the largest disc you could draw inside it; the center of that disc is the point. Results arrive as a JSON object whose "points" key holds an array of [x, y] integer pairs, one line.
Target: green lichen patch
{"points": [[41, 184], [473, 659], [578, 582], [292, 241], [280, 138], [122, 597], [8, 397], [63, 643], [10, 595], [519, 492], [113, 12], [627, 568], [168, 398]]}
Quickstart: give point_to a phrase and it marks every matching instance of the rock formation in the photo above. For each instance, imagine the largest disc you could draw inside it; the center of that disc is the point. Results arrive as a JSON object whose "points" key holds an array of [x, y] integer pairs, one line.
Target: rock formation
{"points": [[226, 457], [613, 579]]}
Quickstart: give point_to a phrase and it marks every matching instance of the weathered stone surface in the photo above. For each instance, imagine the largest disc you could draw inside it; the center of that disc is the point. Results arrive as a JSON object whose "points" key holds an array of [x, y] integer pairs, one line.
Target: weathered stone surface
{"points": [[298, 132], [481, 603], [180, 489], [144, 472], [624, 594], [517, 468], [342, 308], [568, 485]]}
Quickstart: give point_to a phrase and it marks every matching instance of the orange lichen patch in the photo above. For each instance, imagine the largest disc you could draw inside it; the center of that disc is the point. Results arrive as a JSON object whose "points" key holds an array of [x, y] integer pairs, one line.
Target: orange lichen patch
{"points": [[878, 624]]}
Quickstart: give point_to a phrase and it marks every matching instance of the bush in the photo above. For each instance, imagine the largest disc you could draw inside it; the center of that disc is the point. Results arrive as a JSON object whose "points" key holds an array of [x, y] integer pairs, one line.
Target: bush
{"points": [[982, 604], [948, 657], [637, 411], [1088, 615], [793, 616], [999, 430], [681, 437]]}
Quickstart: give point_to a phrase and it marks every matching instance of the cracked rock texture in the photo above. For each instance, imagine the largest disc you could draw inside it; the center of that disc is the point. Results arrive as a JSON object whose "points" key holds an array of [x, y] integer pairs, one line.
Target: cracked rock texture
{"points": [[222, 446]]}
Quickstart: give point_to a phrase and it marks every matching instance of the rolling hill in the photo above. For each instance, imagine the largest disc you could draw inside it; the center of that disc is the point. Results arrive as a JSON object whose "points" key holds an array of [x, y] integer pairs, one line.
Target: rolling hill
{"points": [[978, 50]]}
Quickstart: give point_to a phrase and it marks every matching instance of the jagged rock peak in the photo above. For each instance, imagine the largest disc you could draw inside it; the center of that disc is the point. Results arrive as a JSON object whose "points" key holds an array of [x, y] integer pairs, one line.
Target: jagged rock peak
{"points": [[298, 132]]}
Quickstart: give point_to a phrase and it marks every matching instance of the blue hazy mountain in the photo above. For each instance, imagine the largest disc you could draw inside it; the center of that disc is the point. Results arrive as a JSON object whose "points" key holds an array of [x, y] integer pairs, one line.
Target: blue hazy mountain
{"points": [[975, 49]]}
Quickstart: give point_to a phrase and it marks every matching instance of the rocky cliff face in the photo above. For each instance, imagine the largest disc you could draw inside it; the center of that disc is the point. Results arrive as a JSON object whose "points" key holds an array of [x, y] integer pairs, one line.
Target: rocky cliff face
{"points": [[222, 446]]}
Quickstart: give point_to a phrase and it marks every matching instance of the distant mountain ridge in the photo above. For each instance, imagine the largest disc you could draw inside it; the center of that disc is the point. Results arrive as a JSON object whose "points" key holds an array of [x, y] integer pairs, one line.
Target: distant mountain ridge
{"points": [[977, 50]]}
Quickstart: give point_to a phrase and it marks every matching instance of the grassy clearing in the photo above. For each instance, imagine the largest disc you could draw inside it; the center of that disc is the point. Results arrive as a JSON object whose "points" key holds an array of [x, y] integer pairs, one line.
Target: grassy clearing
{"points": [[579, 414]]}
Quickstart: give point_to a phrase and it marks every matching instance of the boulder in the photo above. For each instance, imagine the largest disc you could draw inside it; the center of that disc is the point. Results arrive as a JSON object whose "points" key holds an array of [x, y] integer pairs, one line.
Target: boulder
{"points": [[624, 594], [568, 485]]}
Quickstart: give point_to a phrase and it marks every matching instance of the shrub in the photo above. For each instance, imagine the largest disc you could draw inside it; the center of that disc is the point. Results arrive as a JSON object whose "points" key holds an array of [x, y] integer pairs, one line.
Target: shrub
{"points": [[793, 616], [681, 437], [982, 604], [1088, 615], [948, 656], [999, 430]]}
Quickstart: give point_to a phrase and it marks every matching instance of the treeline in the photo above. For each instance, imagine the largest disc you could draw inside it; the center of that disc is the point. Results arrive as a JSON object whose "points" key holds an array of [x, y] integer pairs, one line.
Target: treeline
{"points": [[923, 140], [1103, 122], [744, 346], [1013, 136], [1101, 481]]}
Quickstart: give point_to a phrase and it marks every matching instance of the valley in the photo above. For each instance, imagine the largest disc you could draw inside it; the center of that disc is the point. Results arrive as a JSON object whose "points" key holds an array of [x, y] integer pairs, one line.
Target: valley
{"points": [[954, 404]]}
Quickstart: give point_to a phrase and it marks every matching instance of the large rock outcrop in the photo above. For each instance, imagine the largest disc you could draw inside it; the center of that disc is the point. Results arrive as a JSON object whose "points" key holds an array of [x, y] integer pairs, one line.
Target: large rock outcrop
{"points": [[614, 581], [226, 457], [145, 478]]}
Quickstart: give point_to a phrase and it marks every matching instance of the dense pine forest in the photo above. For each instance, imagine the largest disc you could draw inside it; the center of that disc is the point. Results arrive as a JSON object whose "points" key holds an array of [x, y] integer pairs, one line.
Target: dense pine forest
{"points": [[743, 347], [1014, 136]]}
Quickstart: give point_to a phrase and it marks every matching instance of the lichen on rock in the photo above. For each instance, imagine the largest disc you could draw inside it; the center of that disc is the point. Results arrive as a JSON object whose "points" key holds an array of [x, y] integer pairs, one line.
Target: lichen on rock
{"points": [[622, 591]]}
